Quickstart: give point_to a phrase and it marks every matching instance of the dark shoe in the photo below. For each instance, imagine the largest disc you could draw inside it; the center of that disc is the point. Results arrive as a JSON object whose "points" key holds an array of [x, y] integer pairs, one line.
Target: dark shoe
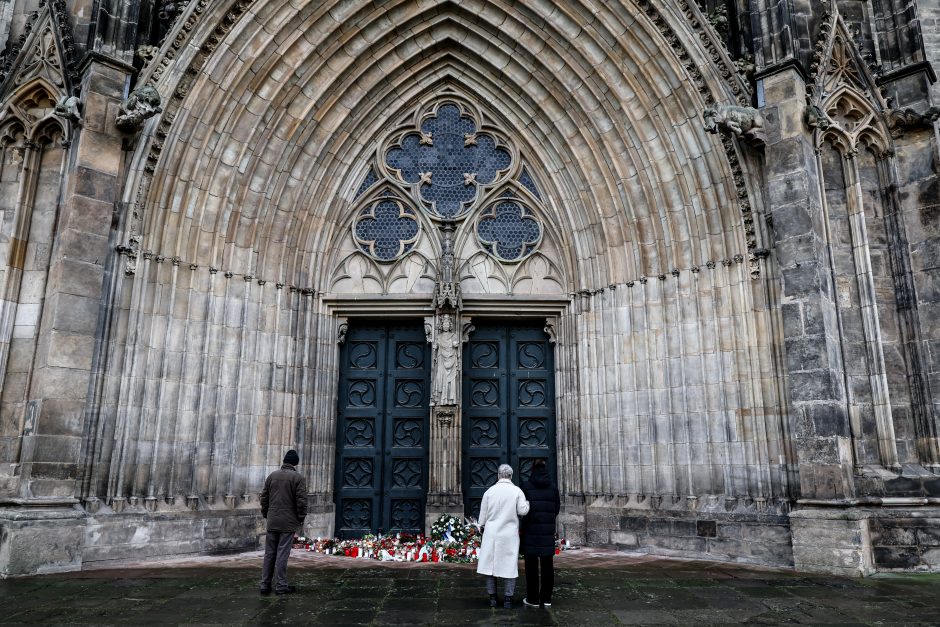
{"points": [[507, 603], [527, 604], [546, 603], [492, 600], [266, 590], [287, 590]]}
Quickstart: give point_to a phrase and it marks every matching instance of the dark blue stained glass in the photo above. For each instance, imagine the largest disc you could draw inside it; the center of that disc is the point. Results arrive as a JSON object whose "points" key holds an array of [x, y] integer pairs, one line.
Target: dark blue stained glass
{"points": [[386, 230], [526, 179], [509, 231], [450, 159], [368, 182]]}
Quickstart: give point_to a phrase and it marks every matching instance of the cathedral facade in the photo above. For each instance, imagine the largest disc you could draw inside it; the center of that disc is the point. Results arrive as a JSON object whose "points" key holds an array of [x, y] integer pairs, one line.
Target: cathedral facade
{"points": [[686, 251]]}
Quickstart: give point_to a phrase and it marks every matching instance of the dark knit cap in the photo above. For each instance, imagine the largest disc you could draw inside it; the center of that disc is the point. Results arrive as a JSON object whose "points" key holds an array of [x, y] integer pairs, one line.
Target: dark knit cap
{"points": [[292, 458]]}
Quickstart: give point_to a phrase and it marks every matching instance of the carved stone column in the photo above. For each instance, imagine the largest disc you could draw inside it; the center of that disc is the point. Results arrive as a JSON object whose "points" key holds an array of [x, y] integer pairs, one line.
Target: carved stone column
{"points": [[444, 487], [445, 332]]}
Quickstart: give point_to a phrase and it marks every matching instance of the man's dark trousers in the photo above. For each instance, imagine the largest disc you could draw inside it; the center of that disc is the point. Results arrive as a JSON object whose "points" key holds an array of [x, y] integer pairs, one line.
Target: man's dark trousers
{"points": [[539, 591], [277, 546]]}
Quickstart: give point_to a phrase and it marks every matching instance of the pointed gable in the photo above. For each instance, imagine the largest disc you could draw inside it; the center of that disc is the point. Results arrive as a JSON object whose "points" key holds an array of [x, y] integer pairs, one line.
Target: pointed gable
{"points": [[45, 52]]}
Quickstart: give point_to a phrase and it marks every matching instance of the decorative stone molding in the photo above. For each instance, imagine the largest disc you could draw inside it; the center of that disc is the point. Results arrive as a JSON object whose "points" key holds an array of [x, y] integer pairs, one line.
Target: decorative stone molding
{"points": [[550, 329], [715, 50], [168, 12], [734, 82], [467, 329], [445, 414], [51, 48], [341, 330], [844, 105], [153, 72], [130, 250]]}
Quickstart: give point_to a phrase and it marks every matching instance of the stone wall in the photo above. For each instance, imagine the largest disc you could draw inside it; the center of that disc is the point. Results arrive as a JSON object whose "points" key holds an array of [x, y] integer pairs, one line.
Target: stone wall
{"points": [[136, 535], [676, 389], [717, 529], [863, 540], [906, 541], [205, 396]]}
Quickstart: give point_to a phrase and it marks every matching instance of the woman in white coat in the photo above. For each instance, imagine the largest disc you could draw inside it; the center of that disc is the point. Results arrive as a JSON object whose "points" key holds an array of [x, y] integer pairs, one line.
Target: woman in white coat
{"points": [[500, 510]]}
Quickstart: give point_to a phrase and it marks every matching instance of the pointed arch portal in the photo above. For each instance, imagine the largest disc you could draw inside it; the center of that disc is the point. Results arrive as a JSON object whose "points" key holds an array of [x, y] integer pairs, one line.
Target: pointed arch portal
{"points": [[539, 164], [302, 172]]}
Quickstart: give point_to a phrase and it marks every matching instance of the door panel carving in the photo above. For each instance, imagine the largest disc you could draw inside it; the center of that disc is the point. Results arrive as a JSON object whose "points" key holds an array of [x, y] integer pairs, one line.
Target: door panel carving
{"points": [[509, 405], [382, 420]]}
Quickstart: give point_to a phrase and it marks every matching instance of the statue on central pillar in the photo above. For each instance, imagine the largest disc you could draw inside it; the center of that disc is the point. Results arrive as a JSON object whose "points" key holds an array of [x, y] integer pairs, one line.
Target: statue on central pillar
{"points": [[444, 333], [446, 359]]}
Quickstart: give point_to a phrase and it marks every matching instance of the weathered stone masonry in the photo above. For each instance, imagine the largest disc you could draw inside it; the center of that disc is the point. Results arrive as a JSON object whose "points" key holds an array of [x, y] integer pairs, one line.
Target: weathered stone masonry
{"points": [[727, 220]]}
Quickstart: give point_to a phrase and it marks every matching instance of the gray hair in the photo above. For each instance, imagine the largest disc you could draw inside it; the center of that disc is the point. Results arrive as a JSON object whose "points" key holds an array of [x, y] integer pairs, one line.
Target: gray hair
{"points": [[504, 471]]}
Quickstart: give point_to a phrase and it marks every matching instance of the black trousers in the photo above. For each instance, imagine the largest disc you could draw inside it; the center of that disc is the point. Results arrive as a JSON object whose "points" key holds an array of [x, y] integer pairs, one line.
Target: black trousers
{"points": [[539, 578], [277, 545]]}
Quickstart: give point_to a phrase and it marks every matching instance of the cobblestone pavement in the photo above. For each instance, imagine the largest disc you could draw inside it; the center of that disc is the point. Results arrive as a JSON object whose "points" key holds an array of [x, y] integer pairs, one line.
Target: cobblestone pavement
{"points": [[593, 588]]}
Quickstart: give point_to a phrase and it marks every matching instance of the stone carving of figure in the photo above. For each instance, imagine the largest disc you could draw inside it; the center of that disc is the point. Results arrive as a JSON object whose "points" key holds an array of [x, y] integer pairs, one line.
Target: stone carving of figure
{"points": [[68, 107], [143, 103], [744, 122], [446, 347]]}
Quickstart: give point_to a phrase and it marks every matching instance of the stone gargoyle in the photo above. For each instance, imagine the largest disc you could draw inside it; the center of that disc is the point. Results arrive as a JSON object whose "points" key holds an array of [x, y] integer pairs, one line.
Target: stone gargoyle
{"points": [[69, 108], [903, 120], [816, 118], [743, 122], [141, 104]]}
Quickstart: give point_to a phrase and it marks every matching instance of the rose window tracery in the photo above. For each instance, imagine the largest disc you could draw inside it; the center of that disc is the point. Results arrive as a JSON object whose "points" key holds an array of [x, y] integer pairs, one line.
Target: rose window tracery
{"points": [[448, 159], [447, 163]]}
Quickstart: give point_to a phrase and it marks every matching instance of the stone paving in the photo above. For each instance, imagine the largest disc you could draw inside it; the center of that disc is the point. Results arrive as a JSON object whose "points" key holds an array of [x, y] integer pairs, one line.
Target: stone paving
{"points": [[593, 587]]}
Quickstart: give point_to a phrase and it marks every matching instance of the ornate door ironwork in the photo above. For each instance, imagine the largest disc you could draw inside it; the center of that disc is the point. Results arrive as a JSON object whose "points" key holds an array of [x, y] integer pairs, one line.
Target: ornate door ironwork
{"points": [[508, 405], [382, 424]]}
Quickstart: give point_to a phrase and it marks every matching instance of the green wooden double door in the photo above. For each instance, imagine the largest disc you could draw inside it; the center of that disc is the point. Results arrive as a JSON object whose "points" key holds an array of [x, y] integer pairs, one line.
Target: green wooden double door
{"points": [[383, 420]]}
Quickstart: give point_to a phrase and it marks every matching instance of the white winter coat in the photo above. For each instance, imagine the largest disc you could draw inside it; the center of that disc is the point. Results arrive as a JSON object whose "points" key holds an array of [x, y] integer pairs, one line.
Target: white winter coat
{"points": [[500, 510]]}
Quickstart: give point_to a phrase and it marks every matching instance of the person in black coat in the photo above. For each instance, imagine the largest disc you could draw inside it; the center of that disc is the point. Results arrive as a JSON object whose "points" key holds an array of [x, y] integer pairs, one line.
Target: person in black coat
{"points": [[538, 535]]}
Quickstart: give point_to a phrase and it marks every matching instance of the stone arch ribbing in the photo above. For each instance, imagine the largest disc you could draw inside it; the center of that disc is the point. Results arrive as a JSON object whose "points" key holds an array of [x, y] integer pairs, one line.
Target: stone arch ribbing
{"points": [[626, 211]]}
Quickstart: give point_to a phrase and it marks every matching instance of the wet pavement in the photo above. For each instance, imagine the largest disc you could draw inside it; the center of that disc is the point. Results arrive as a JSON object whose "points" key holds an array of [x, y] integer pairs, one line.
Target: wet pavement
{"points": [[593, 588]]}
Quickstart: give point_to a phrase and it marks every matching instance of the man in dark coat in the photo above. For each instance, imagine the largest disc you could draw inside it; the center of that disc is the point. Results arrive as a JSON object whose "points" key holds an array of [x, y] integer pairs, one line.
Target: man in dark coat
{"points": [[538, 536], [284, 505]]}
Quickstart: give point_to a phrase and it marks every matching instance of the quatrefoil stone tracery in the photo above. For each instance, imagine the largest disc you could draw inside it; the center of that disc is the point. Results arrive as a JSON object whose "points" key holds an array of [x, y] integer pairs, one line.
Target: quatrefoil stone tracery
{"points": [[508, 231], [448, 161], [386, 229], [448, 158]]}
